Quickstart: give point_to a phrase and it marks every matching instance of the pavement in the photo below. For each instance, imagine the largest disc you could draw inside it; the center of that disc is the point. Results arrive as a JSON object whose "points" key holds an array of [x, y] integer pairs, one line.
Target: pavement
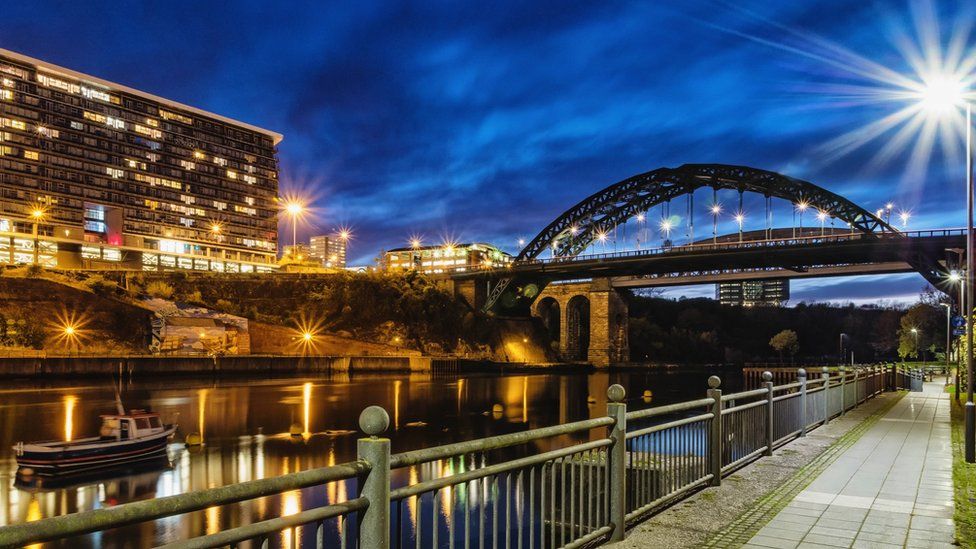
{"points": [[879, 476], [891, 488]]}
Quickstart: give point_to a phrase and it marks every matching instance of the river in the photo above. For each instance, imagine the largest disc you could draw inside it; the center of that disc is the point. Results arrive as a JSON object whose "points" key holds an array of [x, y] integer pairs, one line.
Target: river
{"points": [[258, 428]]}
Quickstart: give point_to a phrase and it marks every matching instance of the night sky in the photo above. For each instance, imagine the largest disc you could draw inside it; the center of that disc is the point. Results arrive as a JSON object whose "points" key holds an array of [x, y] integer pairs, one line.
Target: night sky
{"points": [[484, 121]]}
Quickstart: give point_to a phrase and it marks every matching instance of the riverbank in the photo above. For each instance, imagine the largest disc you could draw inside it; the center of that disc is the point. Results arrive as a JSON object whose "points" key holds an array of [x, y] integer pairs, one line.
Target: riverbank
{"points": [[154, 365]]}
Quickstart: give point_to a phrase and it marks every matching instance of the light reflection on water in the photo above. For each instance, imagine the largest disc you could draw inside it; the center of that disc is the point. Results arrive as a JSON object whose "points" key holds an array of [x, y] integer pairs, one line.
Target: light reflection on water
{"points": [[246, 423]]}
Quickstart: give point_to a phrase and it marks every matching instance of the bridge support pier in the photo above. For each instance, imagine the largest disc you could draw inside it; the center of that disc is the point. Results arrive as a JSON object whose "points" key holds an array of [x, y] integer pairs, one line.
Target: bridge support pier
{"points": [[589, 319]]}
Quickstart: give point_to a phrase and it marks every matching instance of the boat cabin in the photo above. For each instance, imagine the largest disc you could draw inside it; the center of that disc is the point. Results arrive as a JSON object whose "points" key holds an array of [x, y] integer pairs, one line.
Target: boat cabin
{"points": [[132, 425]]}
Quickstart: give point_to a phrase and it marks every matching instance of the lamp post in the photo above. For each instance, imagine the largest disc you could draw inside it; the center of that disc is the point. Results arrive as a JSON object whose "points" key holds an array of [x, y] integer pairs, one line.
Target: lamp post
{"points": [[294, 210], [716, 209], [948, 307], [941, 95], [802, 206], [917, 352], [37, 214], [739, 218]]}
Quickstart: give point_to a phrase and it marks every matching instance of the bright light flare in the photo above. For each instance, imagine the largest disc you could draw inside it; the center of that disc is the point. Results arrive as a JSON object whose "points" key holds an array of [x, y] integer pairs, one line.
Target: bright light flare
{"points": [[802, 205], [666, 225], [344, 234], [904, 216], [416, 241], [942, 94], [822, 215], [954, 276], [640, 218], [716, 209], [740, 218], [68, 328], [294, 209], [307, 333], [601, 236]]}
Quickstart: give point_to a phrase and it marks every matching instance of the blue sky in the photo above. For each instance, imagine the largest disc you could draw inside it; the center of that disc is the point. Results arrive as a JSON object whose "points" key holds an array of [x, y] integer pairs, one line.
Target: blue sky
{"points": [[485, 121]]}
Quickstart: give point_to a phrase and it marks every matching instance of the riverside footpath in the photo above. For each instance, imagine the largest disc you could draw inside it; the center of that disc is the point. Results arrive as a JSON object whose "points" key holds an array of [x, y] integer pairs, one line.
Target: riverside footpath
{"points": [[880, 477]]}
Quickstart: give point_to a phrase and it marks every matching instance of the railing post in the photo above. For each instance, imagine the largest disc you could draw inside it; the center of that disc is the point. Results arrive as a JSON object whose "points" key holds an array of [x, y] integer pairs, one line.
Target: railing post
{"points": [[843, 389], [715, 435], [617, 409], [825, 376], [374, 522], [768, 384], [801, 375]]}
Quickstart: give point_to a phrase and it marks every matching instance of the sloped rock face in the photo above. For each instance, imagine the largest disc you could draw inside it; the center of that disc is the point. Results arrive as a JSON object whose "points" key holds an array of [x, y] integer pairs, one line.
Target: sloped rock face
{"points": [[103, 323]]}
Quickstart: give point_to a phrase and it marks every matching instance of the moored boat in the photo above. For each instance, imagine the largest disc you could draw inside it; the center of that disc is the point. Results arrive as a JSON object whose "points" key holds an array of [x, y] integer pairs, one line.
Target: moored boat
{"points": [[124, 438]]}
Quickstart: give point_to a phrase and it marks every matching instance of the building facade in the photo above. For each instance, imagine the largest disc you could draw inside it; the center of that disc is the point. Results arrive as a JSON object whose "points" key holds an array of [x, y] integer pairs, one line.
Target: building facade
{"points": [[97, 175], [752, 293], [329, 249], [446, 259]]}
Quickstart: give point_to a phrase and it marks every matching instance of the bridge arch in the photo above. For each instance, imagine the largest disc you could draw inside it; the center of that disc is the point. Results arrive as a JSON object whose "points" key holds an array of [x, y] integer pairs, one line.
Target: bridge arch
{"points": [[548, 310], [576, 228]]}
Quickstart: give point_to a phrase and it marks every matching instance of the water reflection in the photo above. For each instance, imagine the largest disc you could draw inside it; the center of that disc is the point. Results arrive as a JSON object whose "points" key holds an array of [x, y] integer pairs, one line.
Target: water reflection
{"points": [[246, 427]]}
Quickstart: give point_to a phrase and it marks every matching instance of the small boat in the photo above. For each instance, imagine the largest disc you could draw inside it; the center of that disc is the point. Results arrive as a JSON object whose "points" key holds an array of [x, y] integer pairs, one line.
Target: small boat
{"points": [[124, 438]]}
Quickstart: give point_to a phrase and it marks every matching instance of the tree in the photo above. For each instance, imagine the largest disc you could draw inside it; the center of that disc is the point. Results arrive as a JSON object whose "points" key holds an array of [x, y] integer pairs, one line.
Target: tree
{"points": [[785, 341], [159, 289], [928, 323]]}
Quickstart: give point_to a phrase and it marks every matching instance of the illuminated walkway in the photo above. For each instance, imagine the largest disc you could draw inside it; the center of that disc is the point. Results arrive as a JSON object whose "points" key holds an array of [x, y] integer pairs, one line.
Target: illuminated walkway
{"points": [[891, 488]]}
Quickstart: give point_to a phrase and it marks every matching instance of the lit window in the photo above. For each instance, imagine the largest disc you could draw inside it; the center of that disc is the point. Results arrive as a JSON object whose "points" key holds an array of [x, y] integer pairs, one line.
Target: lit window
{"points": [[220, 161], [187, 165], [151, 132], [116, 173], [31, 155], [96, 94], [115, 123], [250, 179], [77, 125], [199, 155], [57, 83], [232, 174], [167, 115], [6, 94], [220, 205]]}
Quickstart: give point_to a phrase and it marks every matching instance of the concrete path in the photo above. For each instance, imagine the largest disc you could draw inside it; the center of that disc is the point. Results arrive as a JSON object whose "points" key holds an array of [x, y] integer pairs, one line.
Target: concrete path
{"points": [[891, 488]]}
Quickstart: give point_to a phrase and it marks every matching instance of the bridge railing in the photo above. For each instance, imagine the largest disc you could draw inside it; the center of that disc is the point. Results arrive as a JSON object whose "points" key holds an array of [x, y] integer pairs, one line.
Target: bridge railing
{"points": [[732, 245], [569, 485]]}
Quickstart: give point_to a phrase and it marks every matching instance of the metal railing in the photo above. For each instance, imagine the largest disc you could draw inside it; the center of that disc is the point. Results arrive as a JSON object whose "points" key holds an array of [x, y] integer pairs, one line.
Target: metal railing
{"points": [[570, 485]]}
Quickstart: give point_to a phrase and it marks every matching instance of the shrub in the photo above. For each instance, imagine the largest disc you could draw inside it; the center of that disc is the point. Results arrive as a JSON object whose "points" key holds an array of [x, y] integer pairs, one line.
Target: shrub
{"points": [[99, 285], [159, 289]]}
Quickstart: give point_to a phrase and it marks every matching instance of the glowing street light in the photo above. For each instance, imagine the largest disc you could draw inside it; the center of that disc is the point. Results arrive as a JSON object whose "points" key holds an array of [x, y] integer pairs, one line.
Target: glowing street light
{"points": [[415, 242], [822, 216], [716, 209], [904, 216], [666, 225], [308, 336], [801, 207], [740, 218], [294, 209], [37, 214]]}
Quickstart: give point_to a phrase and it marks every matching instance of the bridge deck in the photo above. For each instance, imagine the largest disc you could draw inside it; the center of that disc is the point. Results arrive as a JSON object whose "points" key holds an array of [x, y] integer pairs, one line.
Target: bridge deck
{"points": [[891, 488]]}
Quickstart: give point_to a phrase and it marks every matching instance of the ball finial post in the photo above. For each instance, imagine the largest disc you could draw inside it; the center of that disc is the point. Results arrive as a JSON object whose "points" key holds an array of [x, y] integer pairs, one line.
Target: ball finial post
{"points": [[801, 373], [374, 420], [714, 382], [767, 376], [616, 393]]}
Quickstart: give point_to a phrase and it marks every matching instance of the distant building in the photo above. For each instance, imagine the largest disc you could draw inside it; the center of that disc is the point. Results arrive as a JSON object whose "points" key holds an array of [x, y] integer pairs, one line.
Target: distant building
{"points": [[328, 249], [752, 293], [446, 259]]}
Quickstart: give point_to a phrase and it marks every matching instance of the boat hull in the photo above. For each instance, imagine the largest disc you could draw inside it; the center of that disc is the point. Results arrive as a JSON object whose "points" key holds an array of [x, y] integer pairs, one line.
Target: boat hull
{"points": [[88, 457]]}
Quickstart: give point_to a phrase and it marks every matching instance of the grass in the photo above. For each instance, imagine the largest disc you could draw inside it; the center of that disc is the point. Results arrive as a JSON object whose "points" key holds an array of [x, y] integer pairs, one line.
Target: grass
{"points": [[964, 481]]}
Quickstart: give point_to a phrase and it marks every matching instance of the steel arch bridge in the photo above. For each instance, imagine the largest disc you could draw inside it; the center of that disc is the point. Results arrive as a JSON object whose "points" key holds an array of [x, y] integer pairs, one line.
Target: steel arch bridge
{"points": [[580, 226]]}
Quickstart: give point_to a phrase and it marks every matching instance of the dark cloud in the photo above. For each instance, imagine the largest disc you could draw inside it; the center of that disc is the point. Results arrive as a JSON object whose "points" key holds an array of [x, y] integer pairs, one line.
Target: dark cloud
{"points": [[485, 121]]}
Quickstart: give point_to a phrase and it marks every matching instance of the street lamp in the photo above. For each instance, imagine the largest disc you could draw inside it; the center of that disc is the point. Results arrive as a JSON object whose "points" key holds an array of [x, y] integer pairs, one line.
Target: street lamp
{"points": [[941, 95], [948, 307], [739, 218], [294, 209], [716, 209], [801, 206], [822, 216], [37, 214], [904, 219], [915, 333]]}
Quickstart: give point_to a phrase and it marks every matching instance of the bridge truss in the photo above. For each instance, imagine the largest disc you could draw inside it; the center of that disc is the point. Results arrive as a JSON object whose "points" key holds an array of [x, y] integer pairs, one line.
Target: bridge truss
{"points": [[579, 227]]}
